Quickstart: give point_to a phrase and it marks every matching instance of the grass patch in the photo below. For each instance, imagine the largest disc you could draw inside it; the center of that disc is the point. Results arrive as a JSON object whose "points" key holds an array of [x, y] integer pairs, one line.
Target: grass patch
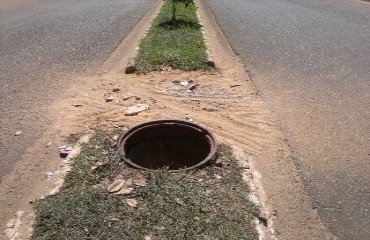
{"points": [[207, 203], [176, 43]]}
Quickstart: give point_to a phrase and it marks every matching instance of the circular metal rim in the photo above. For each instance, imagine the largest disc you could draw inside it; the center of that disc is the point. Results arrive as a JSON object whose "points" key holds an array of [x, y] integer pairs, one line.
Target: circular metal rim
{"points": [[212, 140]]}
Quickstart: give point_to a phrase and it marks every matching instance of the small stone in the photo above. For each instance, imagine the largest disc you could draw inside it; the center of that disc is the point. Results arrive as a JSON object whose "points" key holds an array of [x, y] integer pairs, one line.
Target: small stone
{"points": [[17, 133], [211, 64], [116, 89], [48, 175], [136, 109], [11, 223], [246, 166], [189, 119], [147, 238], [130, 69], [218, 162], [9, 233], [192, 87], [116, 185], [109, 99]]}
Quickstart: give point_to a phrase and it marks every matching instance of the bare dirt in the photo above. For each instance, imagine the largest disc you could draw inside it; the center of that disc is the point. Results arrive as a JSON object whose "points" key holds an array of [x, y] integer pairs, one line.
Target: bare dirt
{"points": [[225, 101]]}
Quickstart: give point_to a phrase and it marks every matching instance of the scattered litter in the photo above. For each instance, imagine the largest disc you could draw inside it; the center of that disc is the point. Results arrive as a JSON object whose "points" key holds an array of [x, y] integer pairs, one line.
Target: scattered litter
{"points": [[109, 98], [116, 185], [124, 191], [48, 144], [188, 85], [236, 85], [147, 238], [17, 133], [132, 202], [186, 82], [64, 151], [136, 109], [48, 175], [116, 89]]}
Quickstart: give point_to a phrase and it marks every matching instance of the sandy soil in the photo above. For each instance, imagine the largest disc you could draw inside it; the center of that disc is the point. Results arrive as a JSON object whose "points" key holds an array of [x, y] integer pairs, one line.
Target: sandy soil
{"points": [[225, 101]]}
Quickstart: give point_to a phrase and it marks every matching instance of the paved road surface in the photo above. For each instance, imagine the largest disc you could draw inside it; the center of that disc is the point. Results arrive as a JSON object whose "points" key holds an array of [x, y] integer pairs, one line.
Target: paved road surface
{"points": [[41, 43], [311, 62]]}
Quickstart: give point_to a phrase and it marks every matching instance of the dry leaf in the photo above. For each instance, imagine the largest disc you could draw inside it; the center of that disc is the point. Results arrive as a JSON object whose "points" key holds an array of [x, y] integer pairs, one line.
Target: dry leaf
{"points": [[128, 182], [140, 182], [116, 185], [98, 164], [124, 191], [218, 177], [132, 202]]}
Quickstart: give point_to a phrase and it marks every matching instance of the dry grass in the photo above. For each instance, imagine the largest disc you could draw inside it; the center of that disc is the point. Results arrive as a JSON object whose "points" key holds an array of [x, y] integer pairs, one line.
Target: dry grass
{"points": [[208, 203]]}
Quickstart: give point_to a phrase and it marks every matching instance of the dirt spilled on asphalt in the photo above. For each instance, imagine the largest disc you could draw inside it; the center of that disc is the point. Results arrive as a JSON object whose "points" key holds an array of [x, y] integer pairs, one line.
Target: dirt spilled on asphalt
{"points": [[223, 100]]}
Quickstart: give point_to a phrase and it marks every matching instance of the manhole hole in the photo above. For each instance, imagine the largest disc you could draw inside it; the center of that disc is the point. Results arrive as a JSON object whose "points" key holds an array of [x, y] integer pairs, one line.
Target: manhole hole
{"points": [[173, 144]]}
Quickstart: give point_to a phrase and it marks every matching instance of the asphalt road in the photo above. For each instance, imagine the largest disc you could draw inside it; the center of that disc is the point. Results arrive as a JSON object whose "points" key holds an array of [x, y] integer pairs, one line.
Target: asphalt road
{"points": [[42, 44], [310, 60]]}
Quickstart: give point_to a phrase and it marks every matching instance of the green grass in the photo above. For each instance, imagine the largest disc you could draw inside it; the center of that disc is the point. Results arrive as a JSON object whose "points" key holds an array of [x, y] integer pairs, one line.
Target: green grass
{"points": [[173, 205], [178, 44]]}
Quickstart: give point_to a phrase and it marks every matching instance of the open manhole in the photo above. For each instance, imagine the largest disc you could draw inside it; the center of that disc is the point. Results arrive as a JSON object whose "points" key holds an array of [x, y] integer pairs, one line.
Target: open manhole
{"points": [[171, 144]]}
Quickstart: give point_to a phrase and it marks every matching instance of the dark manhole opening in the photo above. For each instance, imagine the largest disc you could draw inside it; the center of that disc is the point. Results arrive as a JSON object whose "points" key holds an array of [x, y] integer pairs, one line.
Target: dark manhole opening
{"points": [[171, 144]]}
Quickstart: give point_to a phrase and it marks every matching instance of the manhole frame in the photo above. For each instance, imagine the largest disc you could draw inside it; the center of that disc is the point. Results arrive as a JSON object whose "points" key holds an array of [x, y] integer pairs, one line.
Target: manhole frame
{"points": [[211, 139]]}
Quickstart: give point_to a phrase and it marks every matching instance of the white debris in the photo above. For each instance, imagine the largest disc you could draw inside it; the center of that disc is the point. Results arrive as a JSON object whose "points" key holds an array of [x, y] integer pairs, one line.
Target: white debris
{"points": [[136, 109]]}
